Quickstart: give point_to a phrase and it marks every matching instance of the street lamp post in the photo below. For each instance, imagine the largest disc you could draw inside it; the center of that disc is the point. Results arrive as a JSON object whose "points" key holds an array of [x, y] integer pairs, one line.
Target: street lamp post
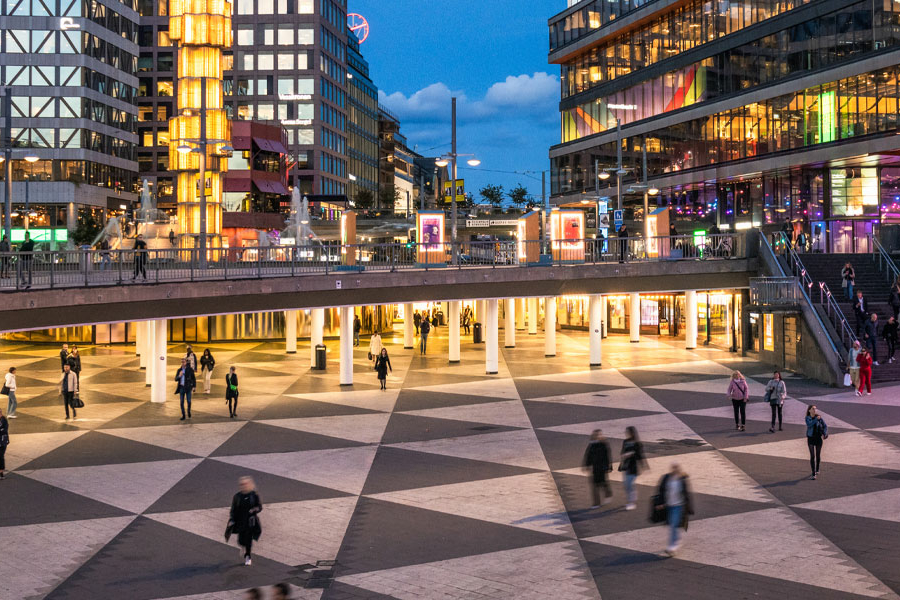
{"points": [[7, 155]]}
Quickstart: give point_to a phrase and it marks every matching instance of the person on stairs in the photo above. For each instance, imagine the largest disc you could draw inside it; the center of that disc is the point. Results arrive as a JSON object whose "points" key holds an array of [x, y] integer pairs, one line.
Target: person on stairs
{"points": [[870, 335], [861, 310], [890, 334]]}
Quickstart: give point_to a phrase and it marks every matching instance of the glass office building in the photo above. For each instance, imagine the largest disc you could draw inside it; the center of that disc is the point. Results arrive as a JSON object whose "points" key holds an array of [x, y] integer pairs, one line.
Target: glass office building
{"points": [[752, 113], [70, 70]]}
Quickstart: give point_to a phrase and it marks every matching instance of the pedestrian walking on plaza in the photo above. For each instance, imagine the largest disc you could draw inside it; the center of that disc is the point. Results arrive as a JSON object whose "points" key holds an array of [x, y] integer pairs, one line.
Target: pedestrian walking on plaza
{"points": [[382, 364], [191, 358], [5, 250], [417, 320], [598, 460], [26, 259], [739, 394], [424, 330], [870, 335], [674, 495], [231, 392], [890, 334], [848, 278], [244, 517], [894, 299], [852, 365], [631, 462], [4, 442], [776, 392], [186, 384], [207, 364], [861, 311], [375, 346], [466, 323], [816, 433], [9, 390], [63, 357], [74, 362], [357, 327], [68, 387], [140, 257], [864, 360]]}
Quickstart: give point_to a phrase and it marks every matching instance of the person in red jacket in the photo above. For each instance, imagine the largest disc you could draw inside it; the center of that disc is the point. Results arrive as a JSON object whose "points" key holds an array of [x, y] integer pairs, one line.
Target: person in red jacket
{"points": [[864, 359]]}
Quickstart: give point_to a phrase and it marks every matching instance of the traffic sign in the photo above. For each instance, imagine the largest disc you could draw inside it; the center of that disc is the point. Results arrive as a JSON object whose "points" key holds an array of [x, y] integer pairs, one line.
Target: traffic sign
{"points": [[618, 218]]}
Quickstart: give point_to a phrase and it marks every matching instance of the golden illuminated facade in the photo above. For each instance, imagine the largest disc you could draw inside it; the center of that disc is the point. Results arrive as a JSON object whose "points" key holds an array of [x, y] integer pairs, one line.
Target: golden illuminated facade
{"points": [[202, 30]]}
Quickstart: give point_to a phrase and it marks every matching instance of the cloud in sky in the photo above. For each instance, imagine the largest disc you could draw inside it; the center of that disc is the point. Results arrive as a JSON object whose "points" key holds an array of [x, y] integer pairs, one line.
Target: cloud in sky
{"points": [[510, 127]]}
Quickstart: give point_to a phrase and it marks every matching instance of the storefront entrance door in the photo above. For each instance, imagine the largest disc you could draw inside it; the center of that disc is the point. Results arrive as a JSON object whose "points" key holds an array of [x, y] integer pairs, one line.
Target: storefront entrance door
{"points": [[850, 236]]}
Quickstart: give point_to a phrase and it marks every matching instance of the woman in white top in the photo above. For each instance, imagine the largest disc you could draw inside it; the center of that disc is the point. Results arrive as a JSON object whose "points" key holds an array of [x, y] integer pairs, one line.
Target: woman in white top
{"points": [[10, 384], [375, 346]]}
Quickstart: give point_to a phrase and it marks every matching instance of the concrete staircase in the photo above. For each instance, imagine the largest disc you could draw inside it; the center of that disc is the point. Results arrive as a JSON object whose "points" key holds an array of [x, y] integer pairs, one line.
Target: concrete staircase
{"points": [[875, 288]]}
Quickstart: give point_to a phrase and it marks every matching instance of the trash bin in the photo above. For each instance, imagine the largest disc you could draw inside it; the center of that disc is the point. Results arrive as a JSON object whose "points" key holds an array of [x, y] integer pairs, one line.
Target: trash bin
{"points": [[86, 264], [320, 357], [476, 333], [440, 317]]}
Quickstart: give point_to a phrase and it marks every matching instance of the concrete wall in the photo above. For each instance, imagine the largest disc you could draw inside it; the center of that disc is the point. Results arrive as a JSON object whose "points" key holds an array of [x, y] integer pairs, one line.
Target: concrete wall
{"points": [[810, 358]]}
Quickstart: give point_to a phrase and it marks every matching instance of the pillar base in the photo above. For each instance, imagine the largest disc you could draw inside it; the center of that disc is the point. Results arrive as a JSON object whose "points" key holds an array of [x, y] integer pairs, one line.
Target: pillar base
{"points": [[491, 372], [346, 385], [691, 348], [549, 356], [408, 347], [290, 352], [454, 362], [596, 364], [509, 346], [529, 333], [635, 341]]}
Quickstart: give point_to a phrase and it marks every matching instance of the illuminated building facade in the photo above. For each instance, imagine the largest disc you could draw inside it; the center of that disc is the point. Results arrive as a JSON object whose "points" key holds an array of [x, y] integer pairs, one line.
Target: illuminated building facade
{"points": [[362, 124], [202, 29], [753, 113], [71, 70]]}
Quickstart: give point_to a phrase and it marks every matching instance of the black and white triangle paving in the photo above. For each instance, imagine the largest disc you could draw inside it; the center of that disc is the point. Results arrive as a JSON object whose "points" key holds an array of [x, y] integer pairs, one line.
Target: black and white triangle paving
{"points": [[449, 484]]}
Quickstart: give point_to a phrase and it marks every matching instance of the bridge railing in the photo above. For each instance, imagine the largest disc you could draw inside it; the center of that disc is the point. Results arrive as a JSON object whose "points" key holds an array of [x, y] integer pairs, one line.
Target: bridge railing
{"points": [[60, 269]]}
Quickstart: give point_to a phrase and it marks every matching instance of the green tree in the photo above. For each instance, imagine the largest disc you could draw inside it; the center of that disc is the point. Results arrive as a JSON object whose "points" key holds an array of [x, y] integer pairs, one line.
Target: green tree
{"points": [[365, 199], [492, 194], [87, 229], [518, 195], [388, 196]]}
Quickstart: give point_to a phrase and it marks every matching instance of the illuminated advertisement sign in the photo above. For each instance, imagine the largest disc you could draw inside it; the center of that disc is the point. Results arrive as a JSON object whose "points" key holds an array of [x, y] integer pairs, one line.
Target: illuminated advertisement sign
{"points": [[827, 112]]}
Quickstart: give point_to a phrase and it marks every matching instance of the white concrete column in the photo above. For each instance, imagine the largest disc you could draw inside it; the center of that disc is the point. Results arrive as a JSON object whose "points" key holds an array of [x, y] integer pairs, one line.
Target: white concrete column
{"points": [[137, 340], [480, 315], [290, 331], [140, 342], [520, 314], [409, 327], [634, 320], [453, 325], [158, 390], [509, 325], [148, 360], [532, 315], [550, 326], [346, 377], [595, 329], [605, 309], [316, 332], [492, 337], [690, 319]]}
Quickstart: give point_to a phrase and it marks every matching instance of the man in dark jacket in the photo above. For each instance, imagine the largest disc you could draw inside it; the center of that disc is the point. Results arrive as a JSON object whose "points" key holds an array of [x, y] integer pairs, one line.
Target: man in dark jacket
{"points": [[186, 384], [424, 330], [894, 299], [26, 254], [870, 335], [357, 327], [623, 242], [597, 460], [63, 357], [674, 494], [861, 310], [889, 333], [417, 320]]}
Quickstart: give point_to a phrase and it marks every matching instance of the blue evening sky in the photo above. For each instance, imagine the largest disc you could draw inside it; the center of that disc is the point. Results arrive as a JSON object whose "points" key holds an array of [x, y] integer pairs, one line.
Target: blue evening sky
{"points": [[493, 55]]}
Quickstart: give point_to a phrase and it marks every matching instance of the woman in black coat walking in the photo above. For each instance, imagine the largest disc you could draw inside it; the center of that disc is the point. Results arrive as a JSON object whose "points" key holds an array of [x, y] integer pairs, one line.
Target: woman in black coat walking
{"points": [[4, 442], [597, 459], [231, 392], [382, 364], [244, 519]]}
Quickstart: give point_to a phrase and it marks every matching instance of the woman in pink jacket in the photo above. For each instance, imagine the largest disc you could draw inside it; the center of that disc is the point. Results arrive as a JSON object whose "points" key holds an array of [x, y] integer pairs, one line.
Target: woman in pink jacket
{"points": [[739, 393]]}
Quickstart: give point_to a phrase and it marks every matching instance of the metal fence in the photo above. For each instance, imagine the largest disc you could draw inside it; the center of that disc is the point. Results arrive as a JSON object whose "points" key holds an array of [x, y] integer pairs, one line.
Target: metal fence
{"points": [[780, 292], [83, 268]]}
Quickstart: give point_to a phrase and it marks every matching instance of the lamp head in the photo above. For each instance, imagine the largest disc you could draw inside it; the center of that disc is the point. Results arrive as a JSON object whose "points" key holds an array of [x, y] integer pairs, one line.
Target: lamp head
{"points": [[653, 191], [31, 158], [184, 149], [603, 175], [473, 162], [442, 162]]}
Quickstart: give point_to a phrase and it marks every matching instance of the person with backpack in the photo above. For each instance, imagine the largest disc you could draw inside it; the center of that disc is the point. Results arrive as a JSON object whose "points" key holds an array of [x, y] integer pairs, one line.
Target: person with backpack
{"points": [[424, 330], [9, 390], [816, 433], [739, 393], [776, 392], [674, 496], [598, 460]]}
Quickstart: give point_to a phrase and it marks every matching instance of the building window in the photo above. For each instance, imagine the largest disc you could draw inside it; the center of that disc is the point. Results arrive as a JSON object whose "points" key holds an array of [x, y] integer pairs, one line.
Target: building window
{"points": [[265, 61], [305, 110], [285, 86], [305, 7], [164, 87], [285, 61], [247, 60], [162, 38], [285, 35], [265, 111], [306, 136], [244, 7], [245, 35], [265, 7], [245, 112], [305, 36], [306, 85]]}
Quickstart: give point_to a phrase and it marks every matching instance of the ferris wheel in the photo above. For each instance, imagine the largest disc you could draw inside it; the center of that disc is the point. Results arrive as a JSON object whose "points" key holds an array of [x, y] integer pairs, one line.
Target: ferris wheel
{"points": [[359, 26]]}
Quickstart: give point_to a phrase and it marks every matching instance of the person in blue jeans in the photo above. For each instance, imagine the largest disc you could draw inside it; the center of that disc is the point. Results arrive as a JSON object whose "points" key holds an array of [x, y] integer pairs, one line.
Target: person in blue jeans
{"points": [[187, 381], [848, 277], [674, 494], [816, 433], [424, 330], [631, 461]]}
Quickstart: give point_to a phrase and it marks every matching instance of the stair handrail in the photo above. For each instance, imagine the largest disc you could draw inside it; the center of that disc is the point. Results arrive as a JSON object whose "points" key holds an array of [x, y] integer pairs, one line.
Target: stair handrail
{"points": [[848, 337], [808, 309], [796, 265], [881, 256]]}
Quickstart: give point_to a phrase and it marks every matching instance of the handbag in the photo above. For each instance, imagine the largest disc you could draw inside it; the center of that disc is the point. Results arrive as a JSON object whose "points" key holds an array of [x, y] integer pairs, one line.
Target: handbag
{"points": [[370, 356], [77, 402], [848, 381], [5, 390], [657, 510]]}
